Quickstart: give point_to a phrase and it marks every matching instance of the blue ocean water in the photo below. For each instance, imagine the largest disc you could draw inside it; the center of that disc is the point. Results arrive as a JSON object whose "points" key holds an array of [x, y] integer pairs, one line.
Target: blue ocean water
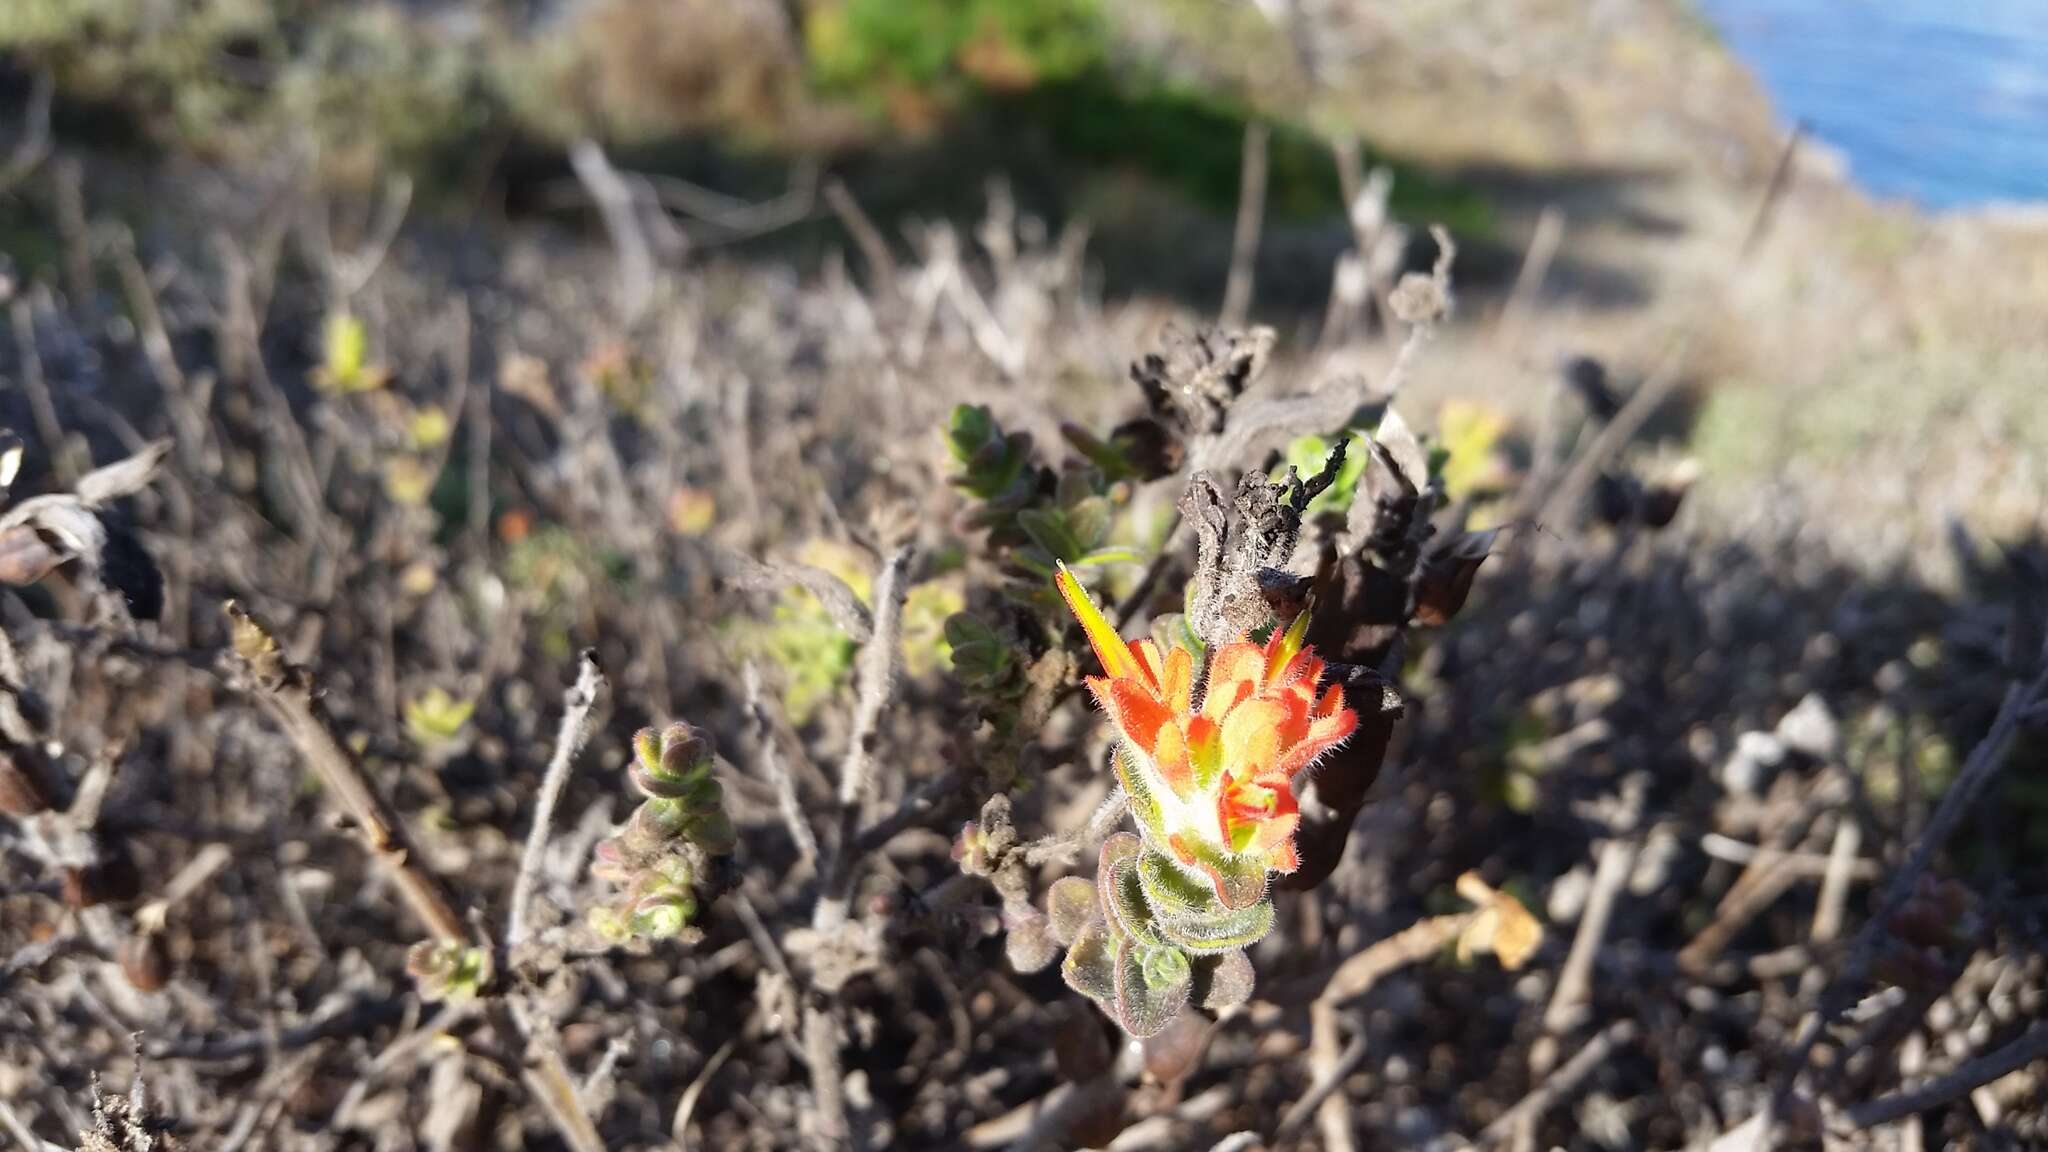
{"points": [[1940, 102]]}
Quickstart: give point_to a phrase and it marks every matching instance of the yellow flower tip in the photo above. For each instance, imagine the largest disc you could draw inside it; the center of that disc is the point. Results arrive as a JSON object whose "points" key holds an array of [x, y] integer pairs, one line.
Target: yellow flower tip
{"points": [[1286, 645], [1110, 648]]}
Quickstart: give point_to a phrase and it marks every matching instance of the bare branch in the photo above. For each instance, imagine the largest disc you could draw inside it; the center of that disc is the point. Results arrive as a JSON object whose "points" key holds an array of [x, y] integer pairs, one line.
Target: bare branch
{"points": [[868, 238], [769, 759], [1650, 395], [679, 1128], [1251, 211], [877, 680], [747, 574], [1352, 979], [1574, 981], [577, 703], [2032, 1045], [1560, 1083], [286, 692], [37, 386], [1984, 763], [34, 145], [615, 205]]}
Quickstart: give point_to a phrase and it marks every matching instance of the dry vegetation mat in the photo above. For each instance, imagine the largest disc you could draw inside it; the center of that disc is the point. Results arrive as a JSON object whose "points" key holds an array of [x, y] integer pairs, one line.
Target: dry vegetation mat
{"points": [[545, 697]]}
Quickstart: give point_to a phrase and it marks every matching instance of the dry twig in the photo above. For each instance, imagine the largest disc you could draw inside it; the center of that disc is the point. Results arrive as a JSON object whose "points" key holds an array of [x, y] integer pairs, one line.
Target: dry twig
{"points": [[1982, 766], [286, 692], [577, 703], [1351, 979], [877, 675], [1561, 1083], [2031, 1045], [1251, 211]]}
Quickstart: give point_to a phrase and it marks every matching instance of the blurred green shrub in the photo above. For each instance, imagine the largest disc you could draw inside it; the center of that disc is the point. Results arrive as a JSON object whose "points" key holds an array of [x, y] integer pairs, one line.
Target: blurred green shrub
{"points": [[914, 58], [183, 59], [369, 85]]}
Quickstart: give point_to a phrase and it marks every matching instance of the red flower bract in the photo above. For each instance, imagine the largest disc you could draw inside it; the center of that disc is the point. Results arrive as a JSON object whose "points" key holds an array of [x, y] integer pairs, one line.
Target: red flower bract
{"points": [[1218, 779]]}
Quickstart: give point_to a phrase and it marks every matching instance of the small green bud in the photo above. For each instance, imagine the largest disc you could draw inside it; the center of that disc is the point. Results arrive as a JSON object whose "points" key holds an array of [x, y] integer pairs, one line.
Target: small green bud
{"points": [[673, 752], [675, 872], [663, 917], [703, 794], [1163, 967], [970, 849], [685, 749]]}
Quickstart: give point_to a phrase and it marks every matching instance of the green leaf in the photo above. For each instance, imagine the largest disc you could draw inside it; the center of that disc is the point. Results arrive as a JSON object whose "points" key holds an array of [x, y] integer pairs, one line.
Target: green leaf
{"points": [[1239, 879], [970, 427], [981, 657], [1089, 521], [1069, 904], [1152, 983], [1049, 530], [1105, 556], [1187, 913], [1107, 456], [437, 717], [1163, 966], [1230, 980], [1136, 778], [1090, 967], [1121, 893]]}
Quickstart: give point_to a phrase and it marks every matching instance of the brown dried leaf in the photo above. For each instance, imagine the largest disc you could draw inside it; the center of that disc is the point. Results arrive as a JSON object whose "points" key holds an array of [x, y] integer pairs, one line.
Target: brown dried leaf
{"points": [[1447, 575], [1503, 926]]}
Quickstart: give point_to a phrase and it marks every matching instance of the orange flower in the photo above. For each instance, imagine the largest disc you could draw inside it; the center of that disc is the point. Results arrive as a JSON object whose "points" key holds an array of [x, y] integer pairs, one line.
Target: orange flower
{"points": [[1213, 787]]}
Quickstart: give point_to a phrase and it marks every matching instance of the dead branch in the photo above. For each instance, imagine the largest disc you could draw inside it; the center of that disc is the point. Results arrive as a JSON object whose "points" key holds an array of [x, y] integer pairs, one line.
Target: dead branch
{"points": [[41, 407], [768, 756], [868, 238], [1561, 1083], [1352, 979], [750, 575], [2031, 1045], [1982, 766], [877, 675], [287, 693], [1251, 212], [577, 703], [616, 207], [34, 145], [1575, 979]]}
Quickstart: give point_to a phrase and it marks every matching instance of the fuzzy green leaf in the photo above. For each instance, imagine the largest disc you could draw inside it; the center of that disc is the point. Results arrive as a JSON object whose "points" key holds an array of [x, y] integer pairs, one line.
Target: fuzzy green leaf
{"points": [[1186, 911], [1090, 967], [1152, 983], [1229, 982], [1068, 905]]}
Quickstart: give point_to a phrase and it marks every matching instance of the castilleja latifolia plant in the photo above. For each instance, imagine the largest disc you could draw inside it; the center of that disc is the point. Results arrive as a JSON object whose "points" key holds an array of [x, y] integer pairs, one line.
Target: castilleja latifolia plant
{"points": [[1208, 763]]}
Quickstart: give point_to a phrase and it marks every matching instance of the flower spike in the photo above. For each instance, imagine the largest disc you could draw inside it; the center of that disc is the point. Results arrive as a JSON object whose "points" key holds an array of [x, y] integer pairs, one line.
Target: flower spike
{"points": [[1117, 661], [1213, 789]]}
